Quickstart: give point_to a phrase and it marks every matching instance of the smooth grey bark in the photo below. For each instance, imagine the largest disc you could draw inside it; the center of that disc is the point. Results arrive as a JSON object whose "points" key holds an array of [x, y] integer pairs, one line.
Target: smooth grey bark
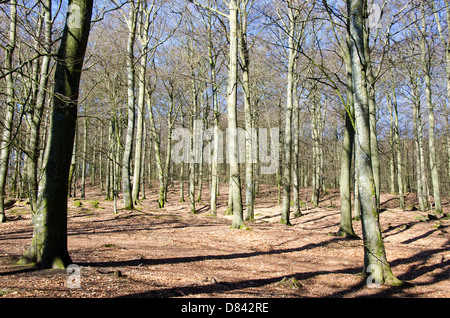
{"points": [[73, 164], [235, 180], [445, 40], [249, 138], [49, 243], [84, 162], [317, 137], [115, 133], [418, 142], [109, 160], [99, 152], [346, 226], [199, 169], [216, 114], [127, 154], [371, 81], [356, 201], [392, 148], [170, 122], [37, 109], [397, 147], [143, 21], [144, 159], [182, 165], [375, 261], [191, 188], [194, 129], [426, 65], [138, 152], [156, 143], [287, 174], [5, 144], [295, 154]]}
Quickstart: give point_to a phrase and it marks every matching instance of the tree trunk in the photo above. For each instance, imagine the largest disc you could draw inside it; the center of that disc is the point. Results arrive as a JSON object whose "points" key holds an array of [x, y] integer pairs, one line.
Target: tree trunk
{"points": [[109, 160], [84, 163], [5, 144], [426, 64], [391, 142], [316, 173], [200, 163], [139, 127], [418, 135], [191, 189], [249, 137], [126, 160], [356, 201], [292, 59], [37, 110], [216, 114], [346, 226], [375, 260], [49, 242], [166, 171], [144, 159], [235, 187], [73, 163], [100, 159], [156, 144], [143, 25], [295, 155], [372, 118], [397, 144]]}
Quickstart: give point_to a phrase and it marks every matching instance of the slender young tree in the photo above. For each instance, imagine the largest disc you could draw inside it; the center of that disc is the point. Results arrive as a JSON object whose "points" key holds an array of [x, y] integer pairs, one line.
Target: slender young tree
{"points": [[37, 109], [426, 65], [144, 19], [249, 137], [131, 111], [212, 59], [235, 189], [397, 144], [292, 59], [346, 226], [84, 158], [445, 40], [418, 142], [49, 243], [234, 194]]}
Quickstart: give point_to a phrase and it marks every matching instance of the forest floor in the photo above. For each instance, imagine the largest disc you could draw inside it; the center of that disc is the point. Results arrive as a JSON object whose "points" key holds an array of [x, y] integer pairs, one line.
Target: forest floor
{"points": [[151, 252]]}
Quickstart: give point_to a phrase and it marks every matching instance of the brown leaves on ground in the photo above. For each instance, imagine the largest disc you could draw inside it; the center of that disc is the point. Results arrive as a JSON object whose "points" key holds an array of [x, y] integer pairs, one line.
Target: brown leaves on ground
{"points": [[151, 252]]}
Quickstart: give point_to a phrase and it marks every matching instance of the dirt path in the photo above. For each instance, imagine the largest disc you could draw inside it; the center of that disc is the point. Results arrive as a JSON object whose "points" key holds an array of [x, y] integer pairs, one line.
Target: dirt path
{"points": [[169, 252]]}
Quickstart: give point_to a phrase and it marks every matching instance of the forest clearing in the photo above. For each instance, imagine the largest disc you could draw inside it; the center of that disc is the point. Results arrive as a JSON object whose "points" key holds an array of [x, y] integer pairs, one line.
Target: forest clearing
{"points": [[170, 252]]}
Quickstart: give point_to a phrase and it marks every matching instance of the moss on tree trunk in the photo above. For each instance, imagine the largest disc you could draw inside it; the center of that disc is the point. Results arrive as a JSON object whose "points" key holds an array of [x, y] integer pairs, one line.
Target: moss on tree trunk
{"points": [[49, 242]]}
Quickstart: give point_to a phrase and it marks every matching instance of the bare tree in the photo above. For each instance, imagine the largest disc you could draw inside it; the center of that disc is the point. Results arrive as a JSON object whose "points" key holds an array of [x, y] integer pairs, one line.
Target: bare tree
{"points": [[235, 194], [126, 162], [375, 261], [49, 242], [426, 65]]}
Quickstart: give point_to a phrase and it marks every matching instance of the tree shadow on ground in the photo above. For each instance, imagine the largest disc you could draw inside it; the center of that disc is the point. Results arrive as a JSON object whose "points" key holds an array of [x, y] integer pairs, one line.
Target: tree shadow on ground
{"points": [[226, 287], [415, 271], [188, 259]]}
